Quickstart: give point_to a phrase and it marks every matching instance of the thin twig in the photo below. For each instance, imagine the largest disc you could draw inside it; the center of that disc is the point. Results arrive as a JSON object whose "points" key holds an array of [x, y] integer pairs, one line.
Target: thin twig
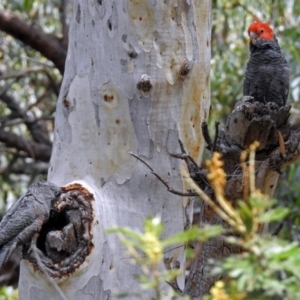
{"points": [[190, 194], [22, 73], [181, 146], [16, 122], [277, 230], [216, 136], [36, 61], [184, 156], [239, 227], [7, 87]]}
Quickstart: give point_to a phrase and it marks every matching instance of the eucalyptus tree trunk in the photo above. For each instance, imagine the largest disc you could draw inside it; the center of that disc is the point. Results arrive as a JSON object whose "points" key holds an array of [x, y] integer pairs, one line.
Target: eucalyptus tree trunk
{"points": [[136, 79]]}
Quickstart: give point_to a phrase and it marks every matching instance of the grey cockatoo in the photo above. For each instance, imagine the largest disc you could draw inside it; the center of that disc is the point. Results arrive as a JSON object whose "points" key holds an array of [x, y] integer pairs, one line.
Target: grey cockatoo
{"points": [[26, 217]]}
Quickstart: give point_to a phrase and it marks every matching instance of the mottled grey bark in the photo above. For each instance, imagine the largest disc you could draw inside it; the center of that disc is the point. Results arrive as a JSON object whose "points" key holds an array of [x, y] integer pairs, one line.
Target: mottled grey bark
{"points": [[136, 79]]}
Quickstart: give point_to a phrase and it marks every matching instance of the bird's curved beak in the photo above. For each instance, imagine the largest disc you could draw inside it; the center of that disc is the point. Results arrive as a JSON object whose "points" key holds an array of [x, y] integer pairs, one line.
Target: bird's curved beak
{"points": [[253, 37]]}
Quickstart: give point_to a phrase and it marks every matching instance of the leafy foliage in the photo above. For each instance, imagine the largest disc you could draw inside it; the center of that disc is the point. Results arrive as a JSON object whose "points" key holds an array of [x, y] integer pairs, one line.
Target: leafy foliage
{"points": [[29, 86], [147, 250], [267, 267], [8, 294], [33, 82]]}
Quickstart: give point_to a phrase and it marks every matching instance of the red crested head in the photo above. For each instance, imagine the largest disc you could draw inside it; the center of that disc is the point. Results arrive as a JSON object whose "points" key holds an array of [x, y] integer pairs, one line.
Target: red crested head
{"points": [[260, 31]]}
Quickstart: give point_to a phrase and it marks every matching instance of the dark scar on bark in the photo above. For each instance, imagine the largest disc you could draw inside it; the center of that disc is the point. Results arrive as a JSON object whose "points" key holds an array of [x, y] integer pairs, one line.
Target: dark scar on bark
{"points": [[184, 69], [66, 103], [144, 84], [65, 240]]}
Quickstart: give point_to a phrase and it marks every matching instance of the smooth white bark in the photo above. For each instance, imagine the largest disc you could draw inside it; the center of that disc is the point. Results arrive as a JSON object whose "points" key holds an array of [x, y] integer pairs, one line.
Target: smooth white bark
{"points": [[105, 110]]}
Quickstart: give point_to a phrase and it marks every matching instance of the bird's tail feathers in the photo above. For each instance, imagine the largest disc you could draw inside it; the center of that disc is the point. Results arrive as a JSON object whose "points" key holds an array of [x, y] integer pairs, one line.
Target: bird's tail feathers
{"points": [[6, 251]]}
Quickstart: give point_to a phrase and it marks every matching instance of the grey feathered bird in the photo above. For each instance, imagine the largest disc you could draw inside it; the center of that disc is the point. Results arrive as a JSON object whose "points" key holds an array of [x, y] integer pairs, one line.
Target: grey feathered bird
{"points": [[267, 74], [26, 217]]}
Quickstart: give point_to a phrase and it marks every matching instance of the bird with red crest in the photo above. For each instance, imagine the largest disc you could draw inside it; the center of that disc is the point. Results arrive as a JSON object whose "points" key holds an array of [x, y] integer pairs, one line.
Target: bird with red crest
{"points": [[267, 75]]}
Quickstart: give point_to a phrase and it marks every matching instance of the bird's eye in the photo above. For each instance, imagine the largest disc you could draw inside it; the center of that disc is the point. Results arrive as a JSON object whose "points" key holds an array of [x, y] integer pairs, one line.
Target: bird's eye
{"points": [[261, 31]]}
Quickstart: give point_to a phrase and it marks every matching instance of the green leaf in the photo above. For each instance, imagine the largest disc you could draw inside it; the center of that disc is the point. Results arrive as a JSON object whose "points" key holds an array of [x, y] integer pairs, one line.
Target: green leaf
{"points": [[192, 234], [27, 5], [275, 214], [126, 232], [246, 215]]}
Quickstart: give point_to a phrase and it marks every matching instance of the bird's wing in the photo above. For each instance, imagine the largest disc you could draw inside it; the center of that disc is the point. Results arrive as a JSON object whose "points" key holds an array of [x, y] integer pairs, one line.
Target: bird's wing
{"points": [[247, 81], [21, 215], [286, 81], [14, 208]]}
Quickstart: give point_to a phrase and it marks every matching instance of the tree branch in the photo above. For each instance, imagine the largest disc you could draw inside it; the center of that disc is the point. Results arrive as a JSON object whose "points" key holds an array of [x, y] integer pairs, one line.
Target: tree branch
{"points": [[47, 44], [37, 129], [33, 149], [188, 194], [63, 15], [40, 168], [12, 104]]}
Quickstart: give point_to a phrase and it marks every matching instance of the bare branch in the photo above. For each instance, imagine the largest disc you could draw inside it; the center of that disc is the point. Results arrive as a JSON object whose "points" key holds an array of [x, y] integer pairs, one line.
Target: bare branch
{"points": [[33, 149], [27, 168], [21, 73], [190, 194], [15, 122], [47, 44], [11, 103], [37, 129], [277, 230], [63, 14]]}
